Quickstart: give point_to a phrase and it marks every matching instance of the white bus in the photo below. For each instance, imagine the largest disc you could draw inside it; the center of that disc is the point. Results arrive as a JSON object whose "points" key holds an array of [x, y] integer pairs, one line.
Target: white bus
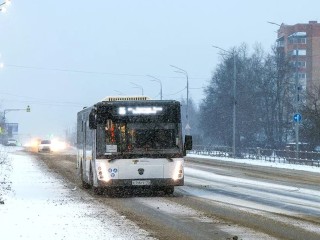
{"points": [[131, 142]]}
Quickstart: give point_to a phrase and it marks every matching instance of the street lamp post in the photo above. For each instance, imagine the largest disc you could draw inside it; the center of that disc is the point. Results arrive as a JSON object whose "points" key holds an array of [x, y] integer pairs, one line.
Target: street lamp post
{"points": [[4, 4], [15, 109], [297, 116], [297, 121], [234, 98], [273, 23], [159, 81], [138, 86], [184, 72]]}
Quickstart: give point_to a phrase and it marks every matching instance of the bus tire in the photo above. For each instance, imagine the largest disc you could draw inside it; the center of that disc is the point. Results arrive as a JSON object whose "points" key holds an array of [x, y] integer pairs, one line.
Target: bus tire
{"points": [[98, 190], [91, 177], [85, 185], [110, 191], [169, 190]]}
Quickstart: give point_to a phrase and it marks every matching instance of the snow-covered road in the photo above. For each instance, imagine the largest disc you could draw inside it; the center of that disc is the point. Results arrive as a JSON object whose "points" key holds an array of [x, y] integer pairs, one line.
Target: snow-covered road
{"points": [[277, 195], [260, 195], [38, 205], [220, 200]]}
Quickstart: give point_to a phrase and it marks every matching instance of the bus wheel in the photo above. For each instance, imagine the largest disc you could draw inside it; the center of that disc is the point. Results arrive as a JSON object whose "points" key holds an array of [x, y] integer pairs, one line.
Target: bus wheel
{"points": [[110, 191], [98, 190], [84, 184], [169, 190], [91, 177]]}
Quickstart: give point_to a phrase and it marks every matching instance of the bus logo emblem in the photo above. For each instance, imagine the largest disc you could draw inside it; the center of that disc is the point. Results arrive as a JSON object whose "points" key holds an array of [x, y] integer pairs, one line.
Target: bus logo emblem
{"points": [[140, 171]]}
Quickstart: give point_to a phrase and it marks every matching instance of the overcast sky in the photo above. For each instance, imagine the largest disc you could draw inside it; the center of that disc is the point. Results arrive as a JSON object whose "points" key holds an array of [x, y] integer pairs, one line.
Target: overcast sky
{"points": [[62, 55]]}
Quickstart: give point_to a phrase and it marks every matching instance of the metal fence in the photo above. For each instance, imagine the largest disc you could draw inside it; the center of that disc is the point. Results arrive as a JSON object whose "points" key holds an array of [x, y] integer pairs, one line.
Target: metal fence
{"points": [[271, 155]]}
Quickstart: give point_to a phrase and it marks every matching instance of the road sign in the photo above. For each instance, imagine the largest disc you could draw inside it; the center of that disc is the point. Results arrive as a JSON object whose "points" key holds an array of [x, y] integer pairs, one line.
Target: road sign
{"points": [[297, 117], [12, 129], [188, 127]]}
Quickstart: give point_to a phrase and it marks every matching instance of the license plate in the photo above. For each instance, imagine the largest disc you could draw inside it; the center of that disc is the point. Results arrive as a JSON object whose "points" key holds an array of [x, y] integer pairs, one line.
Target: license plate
{"points": [[141, 182]]}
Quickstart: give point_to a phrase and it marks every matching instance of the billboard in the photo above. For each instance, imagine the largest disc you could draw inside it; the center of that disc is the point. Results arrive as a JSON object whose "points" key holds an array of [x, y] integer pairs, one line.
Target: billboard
{"points": [[12, 128]]}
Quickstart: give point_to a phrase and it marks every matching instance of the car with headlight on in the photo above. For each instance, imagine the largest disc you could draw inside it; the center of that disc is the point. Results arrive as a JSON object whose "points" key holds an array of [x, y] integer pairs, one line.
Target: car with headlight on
{"points": [[45, 146], [11, 142]]}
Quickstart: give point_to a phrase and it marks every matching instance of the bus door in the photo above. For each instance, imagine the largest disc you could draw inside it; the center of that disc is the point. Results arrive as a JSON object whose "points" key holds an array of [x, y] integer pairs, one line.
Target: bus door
{"points": [[85, 165]]}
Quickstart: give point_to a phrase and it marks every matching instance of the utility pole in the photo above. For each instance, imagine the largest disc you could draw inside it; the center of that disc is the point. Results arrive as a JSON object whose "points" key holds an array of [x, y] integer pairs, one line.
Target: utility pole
{"points": [[297, 88], [184, 72], [159, 81], [138, 86]]}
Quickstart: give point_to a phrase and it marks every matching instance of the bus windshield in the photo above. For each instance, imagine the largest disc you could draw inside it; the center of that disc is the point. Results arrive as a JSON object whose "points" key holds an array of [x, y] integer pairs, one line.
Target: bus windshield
{"points": [[135, 138]]}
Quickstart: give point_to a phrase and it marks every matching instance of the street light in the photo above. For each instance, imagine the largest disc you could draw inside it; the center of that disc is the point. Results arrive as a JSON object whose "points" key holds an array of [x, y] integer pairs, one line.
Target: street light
{"points": [[137, 86], [4, 4], [184, 72], [159, 81], [234, 98], [274, 23]]}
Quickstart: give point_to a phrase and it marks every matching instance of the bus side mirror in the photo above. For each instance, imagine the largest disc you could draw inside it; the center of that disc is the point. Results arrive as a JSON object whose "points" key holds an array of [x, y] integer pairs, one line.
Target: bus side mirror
{"points": [[93, 120], [187, 142]]}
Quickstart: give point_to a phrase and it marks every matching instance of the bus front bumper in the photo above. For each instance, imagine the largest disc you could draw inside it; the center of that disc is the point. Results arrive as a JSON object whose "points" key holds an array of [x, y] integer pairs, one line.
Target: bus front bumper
{"points": [[141, 182]]}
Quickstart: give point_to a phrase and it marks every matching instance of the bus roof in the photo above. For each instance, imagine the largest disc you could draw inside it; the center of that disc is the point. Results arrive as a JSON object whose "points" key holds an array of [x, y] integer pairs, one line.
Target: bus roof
{"points": [[125, 98]]}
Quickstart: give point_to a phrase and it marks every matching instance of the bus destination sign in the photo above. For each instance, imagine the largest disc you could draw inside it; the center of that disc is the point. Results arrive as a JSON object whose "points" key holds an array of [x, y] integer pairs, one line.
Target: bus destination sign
{"points": [[139, 110]]}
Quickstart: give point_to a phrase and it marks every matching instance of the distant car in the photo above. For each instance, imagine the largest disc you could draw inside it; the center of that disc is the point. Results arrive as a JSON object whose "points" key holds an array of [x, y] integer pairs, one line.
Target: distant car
{"points": [[11, 142], [45, 146]]}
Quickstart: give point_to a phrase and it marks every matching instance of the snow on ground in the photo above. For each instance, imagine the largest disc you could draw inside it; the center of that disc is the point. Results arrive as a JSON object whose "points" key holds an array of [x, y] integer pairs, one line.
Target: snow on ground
{"points": [[37, 205], [187, 214], [261, 163], [257, 196]]}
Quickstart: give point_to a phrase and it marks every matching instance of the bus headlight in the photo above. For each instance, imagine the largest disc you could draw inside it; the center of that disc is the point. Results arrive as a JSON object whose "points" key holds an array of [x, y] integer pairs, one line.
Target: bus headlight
{"points": [[178, 171], [102, 172]]}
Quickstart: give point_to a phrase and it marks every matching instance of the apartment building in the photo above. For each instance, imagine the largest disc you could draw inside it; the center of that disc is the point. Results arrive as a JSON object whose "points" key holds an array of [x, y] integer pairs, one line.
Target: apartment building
{"points": [[300, 43]]}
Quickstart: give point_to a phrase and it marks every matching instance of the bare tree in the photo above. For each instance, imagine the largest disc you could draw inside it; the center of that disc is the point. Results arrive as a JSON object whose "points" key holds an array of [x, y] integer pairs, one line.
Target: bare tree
{"points": [[262, 99]]}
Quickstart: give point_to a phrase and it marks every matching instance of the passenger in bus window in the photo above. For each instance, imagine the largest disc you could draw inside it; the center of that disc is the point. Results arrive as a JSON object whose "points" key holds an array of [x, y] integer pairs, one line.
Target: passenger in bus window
{"points": [[107, 135]]}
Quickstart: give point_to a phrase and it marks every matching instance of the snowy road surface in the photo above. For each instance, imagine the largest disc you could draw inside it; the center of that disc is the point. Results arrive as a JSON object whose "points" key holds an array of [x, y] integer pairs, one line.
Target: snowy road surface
{"points": [[259, 195], [288, 204], [40, 206], [220, 200]]}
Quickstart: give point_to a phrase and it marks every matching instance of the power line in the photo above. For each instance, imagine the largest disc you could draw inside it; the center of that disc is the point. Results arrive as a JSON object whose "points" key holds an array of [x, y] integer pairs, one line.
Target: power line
{"points": [[92, 72], [47, 102], [74, 71], [176, 92], [40, 100], [198, 88], [61, 104]]}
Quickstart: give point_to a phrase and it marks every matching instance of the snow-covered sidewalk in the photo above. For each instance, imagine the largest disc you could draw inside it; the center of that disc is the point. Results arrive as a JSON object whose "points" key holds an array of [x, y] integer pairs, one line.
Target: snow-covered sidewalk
{"points": [[260, 163], [38, 205]]}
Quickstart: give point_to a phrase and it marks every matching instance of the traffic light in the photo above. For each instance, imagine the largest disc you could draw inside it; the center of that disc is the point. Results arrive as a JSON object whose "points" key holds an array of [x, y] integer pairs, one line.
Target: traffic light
{"points": [[28, 108]]}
